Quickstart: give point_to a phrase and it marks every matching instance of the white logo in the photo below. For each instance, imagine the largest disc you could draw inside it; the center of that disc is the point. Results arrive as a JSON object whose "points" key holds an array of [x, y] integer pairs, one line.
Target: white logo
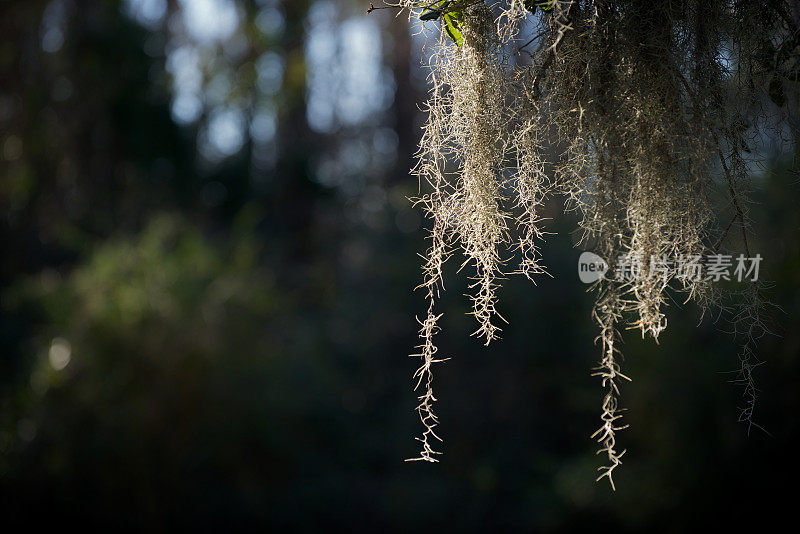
{"points": [[591, 267]]}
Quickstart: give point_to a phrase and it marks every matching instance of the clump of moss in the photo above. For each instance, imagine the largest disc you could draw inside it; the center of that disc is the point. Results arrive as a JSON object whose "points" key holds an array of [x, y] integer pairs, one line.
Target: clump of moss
{"points": [[649, 108]]}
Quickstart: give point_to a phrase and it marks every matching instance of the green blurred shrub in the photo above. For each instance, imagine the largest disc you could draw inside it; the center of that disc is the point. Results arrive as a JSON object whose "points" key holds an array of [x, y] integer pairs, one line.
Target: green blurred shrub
{"points": [[157, 368]]}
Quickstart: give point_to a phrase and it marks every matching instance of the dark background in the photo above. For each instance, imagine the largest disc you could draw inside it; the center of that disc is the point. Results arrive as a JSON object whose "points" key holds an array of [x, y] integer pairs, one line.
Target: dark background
{"points": [[206, 302]]}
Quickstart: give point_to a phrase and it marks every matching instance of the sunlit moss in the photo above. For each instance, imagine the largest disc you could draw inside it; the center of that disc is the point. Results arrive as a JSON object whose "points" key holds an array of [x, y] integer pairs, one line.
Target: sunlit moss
{"points": [[635, 101]]}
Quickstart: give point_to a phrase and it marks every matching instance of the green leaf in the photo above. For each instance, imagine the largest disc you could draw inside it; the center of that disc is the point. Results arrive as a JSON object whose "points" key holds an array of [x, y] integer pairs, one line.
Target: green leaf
{"points": [[451, 24], [450, 19], [433, 13], [546, 6]]}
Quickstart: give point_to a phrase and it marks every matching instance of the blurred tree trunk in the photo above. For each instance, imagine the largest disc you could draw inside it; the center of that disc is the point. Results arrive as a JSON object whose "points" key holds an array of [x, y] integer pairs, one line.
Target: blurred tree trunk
{"points": [[292, 204], [405, 112]]}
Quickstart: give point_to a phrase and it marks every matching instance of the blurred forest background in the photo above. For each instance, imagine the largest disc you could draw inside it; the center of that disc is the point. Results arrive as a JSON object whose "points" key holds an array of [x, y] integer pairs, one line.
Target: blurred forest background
{"points": [[206, 301]]}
